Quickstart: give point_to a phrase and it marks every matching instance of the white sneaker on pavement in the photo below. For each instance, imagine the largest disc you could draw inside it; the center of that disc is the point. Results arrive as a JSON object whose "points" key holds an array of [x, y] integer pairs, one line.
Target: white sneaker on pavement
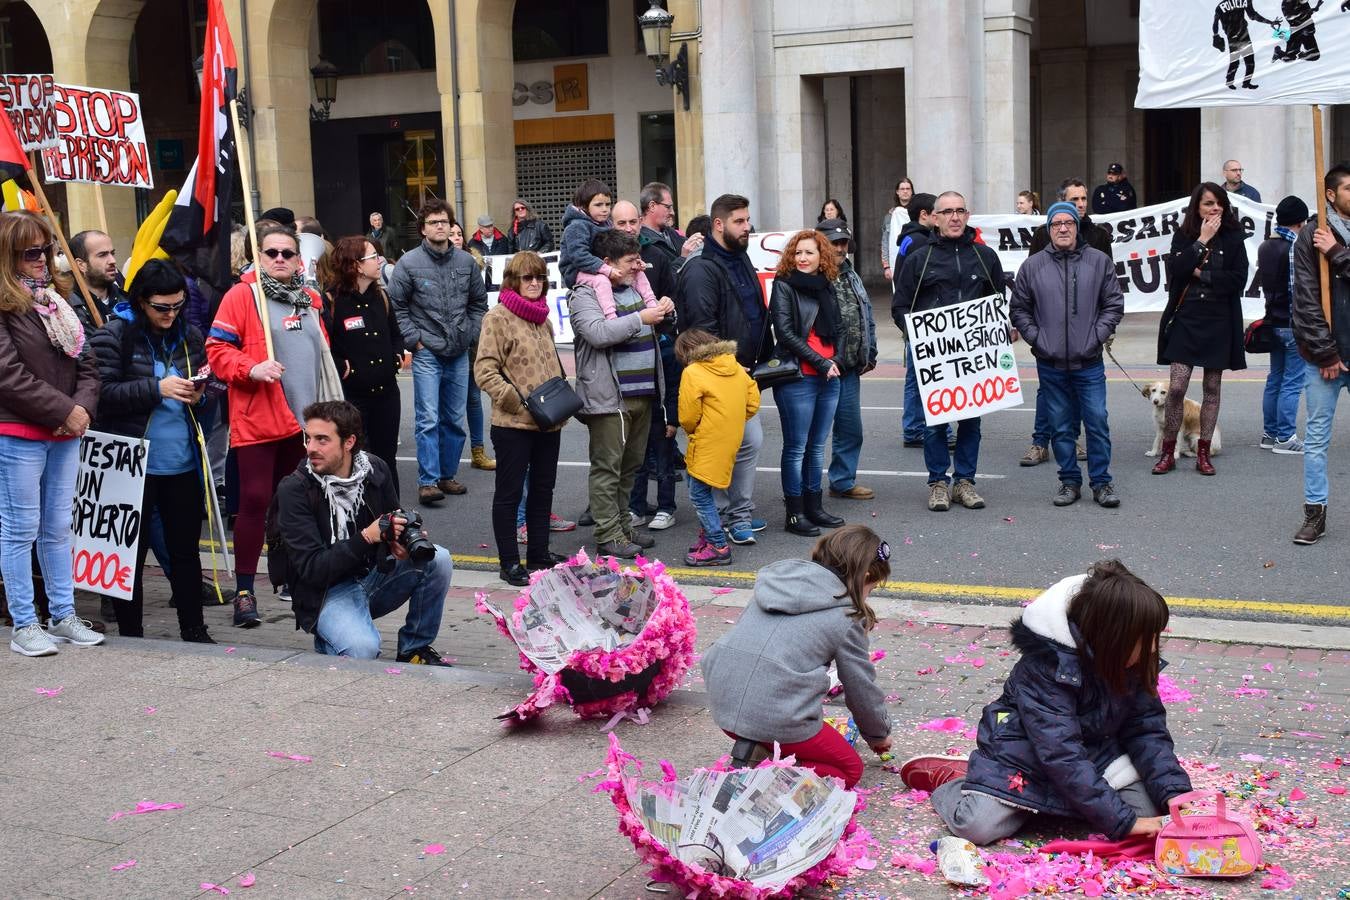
{"points": [[73, 630], [32, 640], [661, 521]]}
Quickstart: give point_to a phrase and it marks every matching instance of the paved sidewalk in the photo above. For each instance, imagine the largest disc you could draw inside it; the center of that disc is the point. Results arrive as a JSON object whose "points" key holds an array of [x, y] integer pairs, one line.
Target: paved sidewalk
{"points": [[402, 759]]}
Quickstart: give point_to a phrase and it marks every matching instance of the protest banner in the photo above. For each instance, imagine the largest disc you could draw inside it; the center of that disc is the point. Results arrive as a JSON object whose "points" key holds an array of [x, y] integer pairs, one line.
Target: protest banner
{"points": [[963, 358], [1141, 243], [100, 138], [29, 101], [555, 291], [106, 524]]}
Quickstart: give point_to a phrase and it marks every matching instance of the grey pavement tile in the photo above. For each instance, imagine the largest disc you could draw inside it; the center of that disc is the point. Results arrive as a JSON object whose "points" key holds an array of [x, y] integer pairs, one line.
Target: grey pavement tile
{"points": [[383, 692], [275, 686], [493, 873], [40, 855], [273, 882], [198, 671], [204, 844], [577, 825]]}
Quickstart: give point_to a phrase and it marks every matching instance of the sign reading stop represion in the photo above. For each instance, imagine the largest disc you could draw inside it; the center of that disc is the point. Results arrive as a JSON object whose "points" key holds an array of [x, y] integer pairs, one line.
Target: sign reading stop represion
{"points": [[100, 138], [106, 524], [963, 359]]}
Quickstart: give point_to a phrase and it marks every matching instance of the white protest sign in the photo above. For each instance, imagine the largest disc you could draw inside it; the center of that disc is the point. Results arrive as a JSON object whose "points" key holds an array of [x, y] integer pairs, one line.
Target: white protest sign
{"points": [[963, 358], [100, 138], [106, 525], [1242, 52], [28, 100], [555, 291], [1141, 243]]}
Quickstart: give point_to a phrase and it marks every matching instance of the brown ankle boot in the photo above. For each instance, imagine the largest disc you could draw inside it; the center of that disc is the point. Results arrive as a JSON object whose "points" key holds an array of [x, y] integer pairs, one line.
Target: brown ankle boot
{"points": [[1202, 463], [1167, 460], [1314, 524]]}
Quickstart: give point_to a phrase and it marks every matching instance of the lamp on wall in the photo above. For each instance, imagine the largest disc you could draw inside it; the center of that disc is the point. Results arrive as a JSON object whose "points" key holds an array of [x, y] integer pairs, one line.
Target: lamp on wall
{"points": [[241, 95], [325, 89], [656, 26]]}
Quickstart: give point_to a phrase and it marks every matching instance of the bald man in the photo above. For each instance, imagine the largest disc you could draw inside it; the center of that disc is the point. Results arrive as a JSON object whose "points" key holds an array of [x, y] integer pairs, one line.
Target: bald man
{"points": [[626, 217]]}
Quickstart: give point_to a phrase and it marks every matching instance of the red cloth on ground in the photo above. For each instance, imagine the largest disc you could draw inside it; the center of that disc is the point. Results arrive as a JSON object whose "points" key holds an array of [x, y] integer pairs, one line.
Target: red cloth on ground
{"points": [[826, 754], [1136, 846]]}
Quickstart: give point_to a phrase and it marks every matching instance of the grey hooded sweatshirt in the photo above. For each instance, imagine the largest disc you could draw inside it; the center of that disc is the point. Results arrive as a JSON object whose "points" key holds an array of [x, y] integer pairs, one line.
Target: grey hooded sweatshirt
{"points": [[766, 676]]}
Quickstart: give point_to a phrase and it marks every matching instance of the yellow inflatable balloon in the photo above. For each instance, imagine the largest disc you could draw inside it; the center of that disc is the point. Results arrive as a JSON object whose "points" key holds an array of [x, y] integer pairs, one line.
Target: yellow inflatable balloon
{"points": [[146, 245]]}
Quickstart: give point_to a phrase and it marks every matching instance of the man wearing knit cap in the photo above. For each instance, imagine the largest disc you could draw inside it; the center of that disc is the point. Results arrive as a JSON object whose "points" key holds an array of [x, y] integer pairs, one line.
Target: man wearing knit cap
{"points": [[1065, 304], [1284, 381]]}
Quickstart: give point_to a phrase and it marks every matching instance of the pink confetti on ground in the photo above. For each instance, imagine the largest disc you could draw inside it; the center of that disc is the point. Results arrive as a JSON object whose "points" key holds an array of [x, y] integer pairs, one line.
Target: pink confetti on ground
{"points": [[1267, 668], [230, 649], [248, 879], [1336, 789], [878, 655], [978, 662], [122, 866], [433, 849], [1250, 692], [145, 806], [722, 590], [950, 725], [1169, 692], [867, 864], [393, 670], [280, 754], [1252, 757], [1297, 794], [49, 692], [926, 670], [217, 888], [151, 710]]}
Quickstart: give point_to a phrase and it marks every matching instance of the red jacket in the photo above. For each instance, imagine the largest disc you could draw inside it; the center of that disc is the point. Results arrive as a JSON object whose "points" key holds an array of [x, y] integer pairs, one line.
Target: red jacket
{"points": [[258, 410]]}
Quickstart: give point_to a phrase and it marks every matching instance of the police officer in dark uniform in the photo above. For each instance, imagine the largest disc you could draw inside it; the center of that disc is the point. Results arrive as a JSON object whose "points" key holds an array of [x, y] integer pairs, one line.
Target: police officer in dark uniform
{"points": [[1117, 195]]}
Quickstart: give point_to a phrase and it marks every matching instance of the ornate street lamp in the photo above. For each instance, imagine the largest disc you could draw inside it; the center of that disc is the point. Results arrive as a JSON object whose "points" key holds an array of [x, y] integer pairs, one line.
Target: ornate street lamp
{"points": [[325, 89], [656, 27]]}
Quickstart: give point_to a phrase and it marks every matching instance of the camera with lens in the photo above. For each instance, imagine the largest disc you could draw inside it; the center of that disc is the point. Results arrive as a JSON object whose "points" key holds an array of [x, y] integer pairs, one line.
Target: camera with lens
{"points": [[414, 539]]}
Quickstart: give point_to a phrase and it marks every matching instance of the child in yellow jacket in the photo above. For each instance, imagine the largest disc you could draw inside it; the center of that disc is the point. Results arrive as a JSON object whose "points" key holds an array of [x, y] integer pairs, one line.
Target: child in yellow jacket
{"points": [[717, 398]]}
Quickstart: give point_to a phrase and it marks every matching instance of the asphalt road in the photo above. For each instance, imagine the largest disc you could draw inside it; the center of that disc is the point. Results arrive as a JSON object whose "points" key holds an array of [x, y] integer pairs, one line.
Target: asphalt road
{"points": [[1216, 546]]}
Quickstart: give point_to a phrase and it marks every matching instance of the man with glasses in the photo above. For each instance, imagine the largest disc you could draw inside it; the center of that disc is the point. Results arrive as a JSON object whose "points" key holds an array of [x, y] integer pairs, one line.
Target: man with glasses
{"points": [[1067, 304], [953, 268], [1233, 183], [439, 299]]}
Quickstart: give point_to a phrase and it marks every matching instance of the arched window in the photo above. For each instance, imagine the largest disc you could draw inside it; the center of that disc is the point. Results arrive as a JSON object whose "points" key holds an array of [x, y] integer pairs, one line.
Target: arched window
{"points": [[366, 38], [557, 29]]}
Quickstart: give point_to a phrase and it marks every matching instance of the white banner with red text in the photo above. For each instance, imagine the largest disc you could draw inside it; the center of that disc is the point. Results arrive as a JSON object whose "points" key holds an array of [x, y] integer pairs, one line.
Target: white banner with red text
{"points": [[106, 522], [963, 359], [100, 138]]}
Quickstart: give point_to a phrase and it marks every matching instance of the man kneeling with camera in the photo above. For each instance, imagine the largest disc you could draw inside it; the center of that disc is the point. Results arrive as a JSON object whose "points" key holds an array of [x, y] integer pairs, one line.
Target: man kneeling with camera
{"points": [[350, 554]]}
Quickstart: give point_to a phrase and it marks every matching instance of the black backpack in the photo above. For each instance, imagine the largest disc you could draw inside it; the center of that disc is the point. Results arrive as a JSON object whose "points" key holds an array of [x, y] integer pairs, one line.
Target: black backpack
{"points": [[278, 559]]}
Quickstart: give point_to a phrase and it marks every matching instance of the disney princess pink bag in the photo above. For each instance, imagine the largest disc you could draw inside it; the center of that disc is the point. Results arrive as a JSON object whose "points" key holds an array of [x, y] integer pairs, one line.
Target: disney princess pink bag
{"points": [[1206, 843]]}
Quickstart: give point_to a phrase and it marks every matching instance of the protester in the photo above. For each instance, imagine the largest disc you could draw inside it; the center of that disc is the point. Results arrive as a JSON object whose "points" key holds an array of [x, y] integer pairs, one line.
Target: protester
{"points": [[892, 224], [488, 239], [587, 217], [1116, 195], [147, 357], [528, 231], [620, 382], [1028, 203], [96, 259], [367, 346], [516, 355], [1079, 730], [1233, 183], [1066, 304], [664, 249], [953, 268], [807, 327], [48, 392], [831, 209], [1284, 381], [440, 299], [856, 355], [916, 234], [1202, 323], [345, 542], [386, 239], [1325, 346], [767, 676], [268, 394], [719, 292], [717, 398], [473, 408]]}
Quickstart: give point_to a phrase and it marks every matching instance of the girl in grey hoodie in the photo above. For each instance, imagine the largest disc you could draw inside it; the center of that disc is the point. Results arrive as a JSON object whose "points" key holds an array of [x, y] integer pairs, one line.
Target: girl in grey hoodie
{"points": [[767, 677]]}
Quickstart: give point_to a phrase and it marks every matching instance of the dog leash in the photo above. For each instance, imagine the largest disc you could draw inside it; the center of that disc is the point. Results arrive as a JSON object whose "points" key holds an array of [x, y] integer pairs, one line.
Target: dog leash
{"points": [[1122, 370]]}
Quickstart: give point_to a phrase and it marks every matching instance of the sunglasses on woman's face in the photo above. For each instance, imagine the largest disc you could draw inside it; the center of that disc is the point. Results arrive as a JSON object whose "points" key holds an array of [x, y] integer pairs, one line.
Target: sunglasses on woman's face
{"points": [[273, 253], [33, 254], [167, 307], [539, 278]]}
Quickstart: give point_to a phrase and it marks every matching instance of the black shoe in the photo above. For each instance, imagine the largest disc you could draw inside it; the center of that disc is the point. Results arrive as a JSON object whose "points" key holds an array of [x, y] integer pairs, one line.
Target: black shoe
{"points": [[645, 541], [554, 559], [586, 520], [1105, 496], [1068, 494], [246, 610], [196, 635], [914, 443], [211, 598], [622, 548], [1249, 86], [423, 656], [815, 511], [517, 575], [797, 523], [106, 611]]}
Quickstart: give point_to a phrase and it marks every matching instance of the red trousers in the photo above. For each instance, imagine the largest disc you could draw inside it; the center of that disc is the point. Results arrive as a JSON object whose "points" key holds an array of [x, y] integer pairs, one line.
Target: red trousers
{"points": [[826, 754]]}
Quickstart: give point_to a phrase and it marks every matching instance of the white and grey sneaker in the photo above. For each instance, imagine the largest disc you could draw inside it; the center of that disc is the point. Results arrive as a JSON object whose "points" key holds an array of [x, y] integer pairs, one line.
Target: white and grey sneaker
{"points": [[1267, 441], [1291, 447], [661, 521], [32, 640], [73, 630], [636, 520]]}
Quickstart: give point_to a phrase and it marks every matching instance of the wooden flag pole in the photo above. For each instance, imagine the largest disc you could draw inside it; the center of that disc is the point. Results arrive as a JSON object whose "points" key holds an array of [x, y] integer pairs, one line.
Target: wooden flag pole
{"points": [[241, 151], [98, 205], [1320, 166], [36, 182]]}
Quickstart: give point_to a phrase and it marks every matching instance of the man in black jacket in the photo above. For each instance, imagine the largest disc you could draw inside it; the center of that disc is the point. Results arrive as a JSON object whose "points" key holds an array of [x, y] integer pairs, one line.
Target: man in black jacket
{"points": [[1116, 195], [664, 249], [343, 568], [719, 291]]}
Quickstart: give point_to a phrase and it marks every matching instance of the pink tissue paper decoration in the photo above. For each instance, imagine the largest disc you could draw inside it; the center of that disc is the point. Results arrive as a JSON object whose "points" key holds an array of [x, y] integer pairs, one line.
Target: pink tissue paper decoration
{"points": [[667, 638], [1297, 794], [433, 849], [122, 866], [722, 590], [217, 888], [145, 806], [1169, 692], [393, 670], [878, 655], [849, 853], [1336, 789], [280, 754], [49, 692], [1277, 879], [248, 879]]}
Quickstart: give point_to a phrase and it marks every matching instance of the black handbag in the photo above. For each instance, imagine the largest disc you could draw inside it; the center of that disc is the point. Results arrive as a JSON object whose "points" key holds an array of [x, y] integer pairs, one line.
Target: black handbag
{"points": [[553, 402], [774, 372], [1259, 337]]}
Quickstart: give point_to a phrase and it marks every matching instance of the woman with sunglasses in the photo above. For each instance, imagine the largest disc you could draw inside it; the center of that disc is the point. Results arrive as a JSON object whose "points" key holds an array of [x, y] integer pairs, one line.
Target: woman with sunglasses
{"points": [[268, 395], [48, 393], [151, 363], [528, 231], [367, 345]]}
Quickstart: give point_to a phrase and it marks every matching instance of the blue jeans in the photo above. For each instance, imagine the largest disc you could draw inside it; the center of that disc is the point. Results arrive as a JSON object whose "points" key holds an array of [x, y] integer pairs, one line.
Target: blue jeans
{"points": [[1071, 397], [806, 410], [937, 457], [659, 464], [846, 445], [1322, 397], [701, 498], [346, 625], [1284, 384], [473, 411], [440, 395], [911, 418], [36, 493], [1043, 431]]}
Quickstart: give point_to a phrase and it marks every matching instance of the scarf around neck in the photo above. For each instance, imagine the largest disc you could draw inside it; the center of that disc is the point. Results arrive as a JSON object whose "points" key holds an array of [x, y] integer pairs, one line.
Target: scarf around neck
{"points": [[292, 292], [827, 323], [534, 311], [344, 495], [62, 325]]}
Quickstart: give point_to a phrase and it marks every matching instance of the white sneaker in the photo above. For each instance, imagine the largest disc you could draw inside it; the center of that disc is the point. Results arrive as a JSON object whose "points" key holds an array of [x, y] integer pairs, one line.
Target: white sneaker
{"points": [[661, 521], [1291, 447], [73, 630], [638, 521], [31, 640]]}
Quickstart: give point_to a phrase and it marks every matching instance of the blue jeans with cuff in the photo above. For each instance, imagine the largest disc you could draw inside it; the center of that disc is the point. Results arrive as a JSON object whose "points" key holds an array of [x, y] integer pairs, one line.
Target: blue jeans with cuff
{"points": [[37, 486], [1322, 397], [701, 498], [346, 625], [440, 401], [1071, 396], [1284, 386]]}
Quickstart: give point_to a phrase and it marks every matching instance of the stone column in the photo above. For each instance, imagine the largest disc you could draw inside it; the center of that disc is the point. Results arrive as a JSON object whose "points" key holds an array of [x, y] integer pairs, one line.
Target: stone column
{"points": [[1256, 136], [1007, 104], [940, 143], [729, 94]]}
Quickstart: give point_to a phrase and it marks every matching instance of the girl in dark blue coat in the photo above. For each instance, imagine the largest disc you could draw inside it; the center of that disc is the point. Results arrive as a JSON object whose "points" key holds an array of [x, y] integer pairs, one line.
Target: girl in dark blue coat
{"points": [[1079, 730]]}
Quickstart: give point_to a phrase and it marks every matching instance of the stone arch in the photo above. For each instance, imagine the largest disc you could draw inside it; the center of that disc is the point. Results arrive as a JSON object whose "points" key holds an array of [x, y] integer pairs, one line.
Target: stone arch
{"points": [[280, 87]]}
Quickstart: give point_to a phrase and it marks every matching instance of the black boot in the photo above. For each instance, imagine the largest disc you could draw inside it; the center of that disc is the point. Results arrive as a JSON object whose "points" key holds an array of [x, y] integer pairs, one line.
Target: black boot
{"points": [[815, 511], [796, 522]]}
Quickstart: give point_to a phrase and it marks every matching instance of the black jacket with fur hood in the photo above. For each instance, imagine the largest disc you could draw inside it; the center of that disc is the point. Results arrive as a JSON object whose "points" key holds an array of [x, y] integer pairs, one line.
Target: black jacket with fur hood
{"points": [[1058, 741]]}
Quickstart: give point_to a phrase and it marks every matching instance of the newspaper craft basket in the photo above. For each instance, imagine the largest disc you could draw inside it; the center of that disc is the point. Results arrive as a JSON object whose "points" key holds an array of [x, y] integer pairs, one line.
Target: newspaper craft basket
{"points": [[744, 834], [605, 638]]}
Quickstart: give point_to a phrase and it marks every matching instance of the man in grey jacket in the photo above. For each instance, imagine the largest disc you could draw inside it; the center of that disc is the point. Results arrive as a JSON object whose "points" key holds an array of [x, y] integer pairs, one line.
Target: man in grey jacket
{"points": [[1066, 303], [620, 382], [439, 300]]}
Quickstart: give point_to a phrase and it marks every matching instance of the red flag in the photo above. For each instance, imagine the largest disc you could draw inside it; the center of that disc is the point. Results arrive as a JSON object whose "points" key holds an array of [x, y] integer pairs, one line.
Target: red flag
{"points": [[13, 161]]}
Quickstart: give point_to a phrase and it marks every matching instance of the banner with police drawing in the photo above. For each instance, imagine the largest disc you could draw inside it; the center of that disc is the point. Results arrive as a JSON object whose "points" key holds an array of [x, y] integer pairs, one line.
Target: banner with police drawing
{"points": [[963, 358], [106, 521]]}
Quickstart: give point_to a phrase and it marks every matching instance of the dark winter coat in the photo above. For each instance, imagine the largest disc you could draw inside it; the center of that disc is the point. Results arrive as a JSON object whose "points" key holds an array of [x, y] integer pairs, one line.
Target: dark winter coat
{"points": [[501, 244], [794, 313], [706, 298], [40, 385], [1066, 303], [1046, 743], [1093, 235], [1113, 198], [662, 258], [315, 562], [532, 234], [387, 239], [1204, 328], [1272, 264], [439, 298], [946, 272], [363, 335], [125, 352], [575, 255], [913, 237], [1320, 342]]}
